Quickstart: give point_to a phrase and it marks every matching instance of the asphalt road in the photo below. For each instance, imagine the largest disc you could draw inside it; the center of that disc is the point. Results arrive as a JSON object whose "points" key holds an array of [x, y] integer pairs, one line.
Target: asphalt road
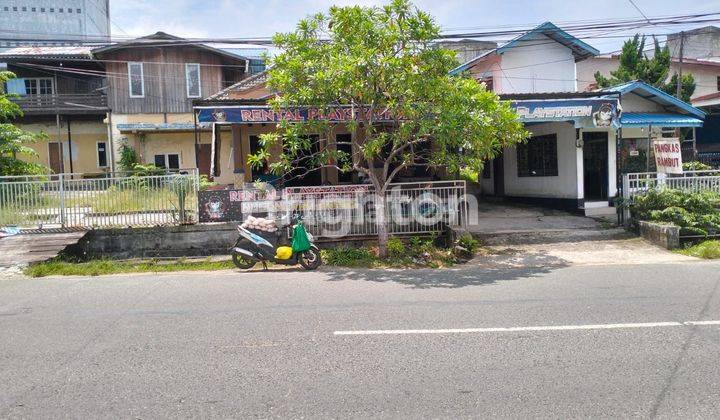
{"points": [[265, 344]]}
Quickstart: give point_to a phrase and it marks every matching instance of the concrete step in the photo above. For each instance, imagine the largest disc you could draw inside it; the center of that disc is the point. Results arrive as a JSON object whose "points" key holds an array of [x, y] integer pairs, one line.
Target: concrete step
{"points": [[520, 237], [600, 211]]}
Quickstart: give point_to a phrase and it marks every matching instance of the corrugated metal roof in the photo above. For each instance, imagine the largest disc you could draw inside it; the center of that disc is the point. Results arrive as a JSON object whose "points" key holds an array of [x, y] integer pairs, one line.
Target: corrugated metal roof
{"points": [[659, 120], [580, 49], [48, 52], [654, 94], [159, 127]]}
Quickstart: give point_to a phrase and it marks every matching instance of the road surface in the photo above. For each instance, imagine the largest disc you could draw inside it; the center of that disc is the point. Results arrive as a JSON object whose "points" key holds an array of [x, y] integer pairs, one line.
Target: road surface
{"points": [[578, 341]]}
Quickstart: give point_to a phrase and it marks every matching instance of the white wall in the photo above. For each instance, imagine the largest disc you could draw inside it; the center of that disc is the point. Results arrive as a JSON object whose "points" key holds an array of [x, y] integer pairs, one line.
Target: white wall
{"points": [[565, 185], [537, 65], [705, 75]]}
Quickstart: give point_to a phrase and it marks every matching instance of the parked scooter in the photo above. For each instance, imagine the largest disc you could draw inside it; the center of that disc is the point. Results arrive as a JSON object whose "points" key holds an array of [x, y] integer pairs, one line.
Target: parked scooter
{"points": [[251, 248]]}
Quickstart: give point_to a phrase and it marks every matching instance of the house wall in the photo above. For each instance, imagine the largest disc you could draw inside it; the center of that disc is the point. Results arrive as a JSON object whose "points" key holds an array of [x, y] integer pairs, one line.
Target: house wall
{"points": [[705, 75], [164, 76], [564, 186], [84, 138], [537, 65]]}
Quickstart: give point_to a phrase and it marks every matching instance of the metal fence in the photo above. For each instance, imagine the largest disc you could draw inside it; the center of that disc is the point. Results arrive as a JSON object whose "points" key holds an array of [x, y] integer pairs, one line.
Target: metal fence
{"points": [[350, 210], [98, 200], [635, 184]]}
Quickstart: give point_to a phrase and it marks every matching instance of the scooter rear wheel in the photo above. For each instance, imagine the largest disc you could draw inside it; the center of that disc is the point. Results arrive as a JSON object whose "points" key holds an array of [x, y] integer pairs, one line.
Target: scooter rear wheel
{"points": [[242, 262], [310, 259]]}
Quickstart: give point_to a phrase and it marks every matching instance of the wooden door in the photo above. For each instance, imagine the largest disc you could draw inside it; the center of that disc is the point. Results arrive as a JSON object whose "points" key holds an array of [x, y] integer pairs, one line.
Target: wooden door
{"points": [[55, 158], [204, 159]]}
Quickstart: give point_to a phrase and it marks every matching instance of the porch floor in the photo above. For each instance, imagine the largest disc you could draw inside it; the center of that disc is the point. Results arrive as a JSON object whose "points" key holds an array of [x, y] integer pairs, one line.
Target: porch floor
{"points": [[500, 223]]}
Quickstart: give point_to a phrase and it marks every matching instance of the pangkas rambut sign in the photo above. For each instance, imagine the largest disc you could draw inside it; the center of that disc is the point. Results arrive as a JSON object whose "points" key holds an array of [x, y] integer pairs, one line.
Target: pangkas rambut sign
{"points": [[668, 155]]}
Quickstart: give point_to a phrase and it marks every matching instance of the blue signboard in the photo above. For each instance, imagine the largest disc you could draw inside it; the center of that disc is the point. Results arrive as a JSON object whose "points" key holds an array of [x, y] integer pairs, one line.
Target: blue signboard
{"points": [[590, 112], [266, 114]]}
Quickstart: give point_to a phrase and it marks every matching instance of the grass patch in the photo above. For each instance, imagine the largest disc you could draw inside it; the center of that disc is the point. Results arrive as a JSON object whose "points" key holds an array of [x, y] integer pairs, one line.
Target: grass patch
{"points": [[102, 267], [416, 253], [708, 250]]}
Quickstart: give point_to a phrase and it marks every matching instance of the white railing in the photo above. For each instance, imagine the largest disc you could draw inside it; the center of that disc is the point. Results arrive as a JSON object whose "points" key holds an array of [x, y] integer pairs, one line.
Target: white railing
{"points": [[111, 200], [349, 210], [635, 184]]}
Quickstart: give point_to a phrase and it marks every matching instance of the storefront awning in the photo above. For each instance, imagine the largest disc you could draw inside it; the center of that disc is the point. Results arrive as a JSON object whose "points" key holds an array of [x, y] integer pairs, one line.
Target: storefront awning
{"points": [[147, 127], [634, 119]]}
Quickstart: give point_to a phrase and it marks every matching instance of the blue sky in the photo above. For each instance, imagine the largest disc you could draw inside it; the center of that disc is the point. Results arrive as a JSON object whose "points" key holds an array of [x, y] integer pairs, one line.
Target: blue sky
{"points": [[250, 18]]}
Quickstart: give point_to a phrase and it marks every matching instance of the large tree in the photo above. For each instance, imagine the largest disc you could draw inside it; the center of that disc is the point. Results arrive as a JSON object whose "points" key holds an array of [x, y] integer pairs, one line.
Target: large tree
{"points": [[13, 140], [653, 69], [382, 59]]}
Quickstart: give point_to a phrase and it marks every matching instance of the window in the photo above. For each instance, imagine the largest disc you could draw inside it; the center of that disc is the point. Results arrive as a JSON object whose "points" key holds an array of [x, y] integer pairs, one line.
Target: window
{"points": [[102, 160], [39, 86], [77, 10], [342, 146], [33, 9], [42, 9], [192, 80], [69, 10], [254, 149], [718, 83], [168, 161], [136, 80], [538, 157], [24, 9], [14, 8]]}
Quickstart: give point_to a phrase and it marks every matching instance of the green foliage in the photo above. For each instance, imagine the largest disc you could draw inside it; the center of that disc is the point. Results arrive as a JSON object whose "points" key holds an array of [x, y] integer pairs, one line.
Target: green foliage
{"points": [[14, 141], [383, 59], [469, 174], [58, 267], [697, 213], [147, 170], [205, 183], [696, 166], [467, 241], [349, 257], [688, 86], [396, 248], [653, 69], [128, 157], [707, 250]]}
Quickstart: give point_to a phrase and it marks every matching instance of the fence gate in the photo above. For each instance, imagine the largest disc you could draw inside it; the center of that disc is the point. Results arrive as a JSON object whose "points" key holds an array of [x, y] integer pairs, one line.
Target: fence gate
{"points": [[108, 200], [349, 210]]}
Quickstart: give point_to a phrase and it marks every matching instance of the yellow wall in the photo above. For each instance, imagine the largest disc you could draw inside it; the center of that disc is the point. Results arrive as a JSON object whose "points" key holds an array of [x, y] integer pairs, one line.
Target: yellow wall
{"points": [[84, 138]]}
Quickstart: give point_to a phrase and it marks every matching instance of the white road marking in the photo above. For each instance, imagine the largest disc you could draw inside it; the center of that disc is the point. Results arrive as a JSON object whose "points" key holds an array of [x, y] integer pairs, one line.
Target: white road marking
{"points": [[534, 328]]}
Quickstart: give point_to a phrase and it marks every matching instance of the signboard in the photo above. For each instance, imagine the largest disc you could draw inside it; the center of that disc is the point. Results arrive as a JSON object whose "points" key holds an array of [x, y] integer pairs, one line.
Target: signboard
{"points": [[668, 155], [229, 205], [591, 112], [265, 114]]}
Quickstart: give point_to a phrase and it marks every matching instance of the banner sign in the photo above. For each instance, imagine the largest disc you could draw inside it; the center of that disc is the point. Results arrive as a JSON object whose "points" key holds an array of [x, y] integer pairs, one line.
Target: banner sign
{"points": [[265, 114], [668, 155], [229, 205], [591, 112]]}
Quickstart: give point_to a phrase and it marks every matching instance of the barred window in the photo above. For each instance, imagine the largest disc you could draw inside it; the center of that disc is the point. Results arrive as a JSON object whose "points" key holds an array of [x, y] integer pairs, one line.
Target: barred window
{"points": [[538, 157]]}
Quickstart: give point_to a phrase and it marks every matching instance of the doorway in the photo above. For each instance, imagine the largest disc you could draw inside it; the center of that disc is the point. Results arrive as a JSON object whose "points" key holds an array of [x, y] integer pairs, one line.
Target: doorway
{"points": [[595, 166], [204, 151], [55, 157], [498, 176]]}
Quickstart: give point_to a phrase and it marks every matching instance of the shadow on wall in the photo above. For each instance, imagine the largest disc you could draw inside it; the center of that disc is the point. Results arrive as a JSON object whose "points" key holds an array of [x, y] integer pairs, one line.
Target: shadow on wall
{"points": [[483, 270]]}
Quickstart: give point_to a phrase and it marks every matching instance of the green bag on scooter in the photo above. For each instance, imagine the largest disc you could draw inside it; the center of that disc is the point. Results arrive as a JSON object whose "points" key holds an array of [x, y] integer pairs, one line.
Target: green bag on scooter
{"points": [[300, 241]]}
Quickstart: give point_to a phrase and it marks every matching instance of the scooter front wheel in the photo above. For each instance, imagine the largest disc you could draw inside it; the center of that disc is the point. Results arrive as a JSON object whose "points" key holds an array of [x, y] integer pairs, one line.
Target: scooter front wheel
{"points": [[310, 259], [242, 262]]}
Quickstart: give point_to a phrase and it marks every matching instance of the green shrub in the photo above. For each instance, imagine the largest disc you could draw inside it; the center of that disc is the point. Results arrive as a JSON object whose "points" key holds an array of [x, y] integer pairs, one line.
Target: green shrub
{"points": [[349, 257], [696, 166], [467, 241], [707, 250], [205, 183], [396, 248], [697, 213]]}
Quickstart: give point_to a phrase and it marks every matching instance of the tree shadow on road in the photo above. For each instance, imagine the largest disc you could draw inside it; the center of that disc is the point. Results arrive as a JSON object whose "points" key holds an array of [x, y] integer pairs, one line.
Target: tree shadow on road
{"points": [[483, 270]]}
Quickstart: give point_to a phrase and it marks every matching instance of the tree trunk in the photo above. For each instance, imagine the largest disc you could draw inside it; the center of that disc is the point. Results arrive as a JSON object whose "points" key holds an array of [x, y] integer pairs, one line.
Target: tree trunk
{"points": [[382, 223]]}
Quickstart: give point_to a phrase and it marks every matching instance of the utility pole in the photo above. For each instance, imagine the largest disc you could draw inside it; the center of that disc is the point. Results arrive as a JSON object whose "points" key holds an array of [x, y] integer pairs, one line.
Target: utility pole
{"points": [[680, 66]]}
